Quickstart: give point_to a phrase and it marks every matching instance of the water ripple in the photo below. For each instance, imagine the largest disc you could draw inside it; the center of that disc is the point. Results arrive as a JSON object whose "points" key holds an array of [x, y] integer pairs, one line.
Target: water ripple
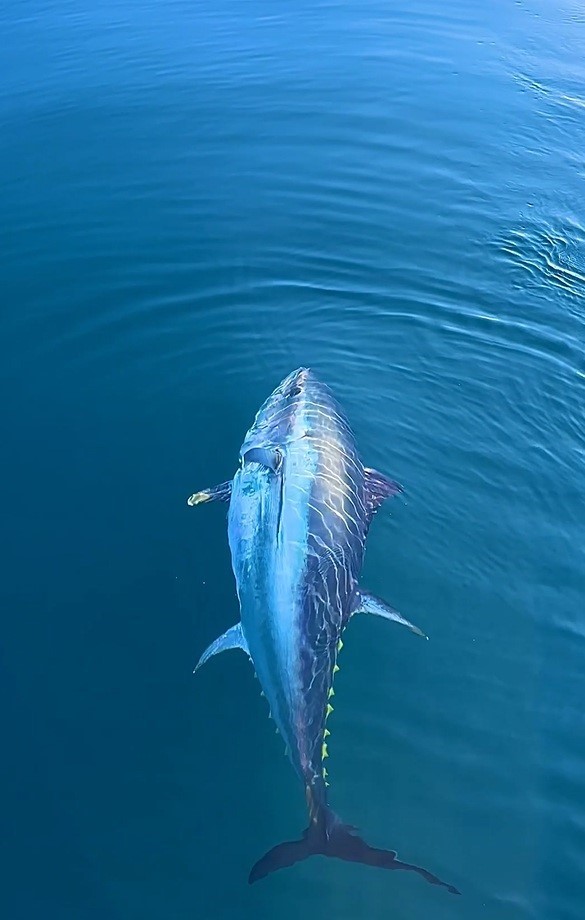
{"points": [[197, 200], [551, 258]]}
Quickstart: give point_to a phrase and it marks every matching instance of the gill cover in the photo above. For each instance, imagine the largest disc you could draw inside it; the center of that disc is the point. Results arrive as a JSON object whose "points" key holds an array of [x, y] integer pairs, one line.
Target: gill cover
{"points": [[269, 457]]}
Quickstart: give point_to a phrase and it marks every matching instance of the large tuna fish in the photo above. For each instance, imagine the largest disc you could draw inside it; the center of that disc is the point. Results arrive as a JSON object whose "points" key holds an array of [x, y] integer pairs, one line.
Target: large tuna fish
{"points": [[300, 507]]}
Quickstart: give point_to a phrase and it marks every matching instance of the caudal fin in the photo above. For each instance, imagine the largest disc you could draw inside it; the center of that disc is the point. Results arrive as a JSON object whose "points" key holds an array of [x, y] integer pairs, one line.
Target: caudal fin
{"points": [[329, 837]]}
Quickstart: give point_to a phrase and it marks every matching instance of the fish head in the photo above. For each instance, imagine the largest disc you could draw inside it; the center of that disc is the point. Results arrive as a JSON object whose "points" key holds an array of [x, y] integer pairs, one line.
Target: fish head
{"points": [[259, 483], [277, 421]]}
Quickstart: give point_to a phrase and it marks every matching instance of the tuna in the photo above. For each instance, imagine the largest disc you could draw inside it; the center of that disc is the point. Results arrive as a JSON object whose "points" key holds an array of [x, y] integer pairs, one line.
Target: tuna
{"points": [[300, 507]]}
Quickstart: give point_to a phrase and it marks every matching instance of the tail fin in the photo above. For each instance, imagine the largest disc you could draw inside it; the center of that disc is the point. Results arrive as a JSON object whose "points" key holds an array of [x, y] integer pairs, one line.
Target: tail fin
{"points": [[329, 837]]}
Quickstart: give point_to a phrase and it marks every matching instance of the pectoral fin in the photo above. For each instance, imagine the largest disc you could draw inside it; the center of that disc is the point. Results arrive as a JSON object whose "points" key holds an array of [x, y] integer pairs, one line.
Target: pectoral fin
{"points": [[220, 493], [233, 638], [379, 487], [369, 603]]}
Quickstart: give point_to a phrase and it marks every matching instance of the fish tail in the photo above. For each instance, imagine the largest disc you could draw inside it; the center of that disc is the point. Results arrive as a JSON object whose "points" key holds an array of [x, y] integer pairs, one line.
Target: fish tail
{"points": [[328, 836]]}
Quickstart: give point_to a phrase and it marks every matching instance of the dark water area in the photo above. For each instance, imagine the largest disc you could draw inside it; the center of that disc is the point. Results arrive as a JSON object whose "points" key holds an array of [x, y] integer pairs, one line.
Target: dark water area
{"points": [[196, 199]]}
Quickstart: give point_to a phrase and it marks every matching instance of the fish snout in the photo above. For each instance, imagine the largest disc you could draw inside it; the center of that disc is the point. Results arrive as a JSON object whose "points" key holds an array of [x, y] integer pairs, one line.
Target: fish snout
{"points": [[298, 381]]}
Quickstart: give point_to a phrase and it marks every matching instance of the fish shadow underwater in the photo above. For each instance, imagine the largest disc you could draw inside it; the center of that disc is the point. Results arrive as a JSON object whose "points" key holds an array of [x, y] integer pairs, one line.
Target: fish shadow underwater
{"points": [[300, 507]]}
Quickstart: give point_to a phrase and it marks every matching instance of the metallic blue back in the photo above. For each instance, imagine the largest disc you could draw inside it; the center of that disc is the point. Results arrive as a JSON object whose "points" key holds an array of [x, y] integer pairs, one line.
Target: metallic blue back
{"points": [[297, 525]]}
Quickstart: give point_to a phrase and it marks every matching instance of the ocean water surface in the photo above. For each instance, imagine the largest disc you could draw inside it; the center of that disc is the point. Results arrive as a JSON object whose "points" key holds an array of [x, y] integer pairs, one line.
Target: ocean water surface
{"points": [[197, 198]]}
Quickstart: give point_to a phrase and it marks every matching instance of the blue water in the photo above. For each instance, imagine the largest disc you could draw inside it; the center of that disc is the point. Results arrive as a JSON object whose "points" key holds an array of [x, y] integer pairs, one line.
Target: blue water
{"points": [[197, 198]]}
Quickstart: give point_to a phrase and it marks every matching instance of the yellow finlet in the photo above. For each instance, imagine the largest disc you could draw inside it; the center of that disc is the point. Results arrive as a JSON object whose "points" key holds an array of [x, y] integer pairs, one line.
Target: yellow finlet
{"points": [[331, 692], [326, 733], [324, 751], [329, 710], [335, 668], [339, 645]]}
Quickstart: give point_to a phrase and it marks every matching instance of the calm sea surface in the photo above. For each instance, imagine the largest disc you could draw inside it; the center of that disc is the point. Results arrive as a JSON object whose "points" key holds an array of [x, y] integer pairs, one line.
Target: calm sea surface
{"points": [[197, 198]]}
